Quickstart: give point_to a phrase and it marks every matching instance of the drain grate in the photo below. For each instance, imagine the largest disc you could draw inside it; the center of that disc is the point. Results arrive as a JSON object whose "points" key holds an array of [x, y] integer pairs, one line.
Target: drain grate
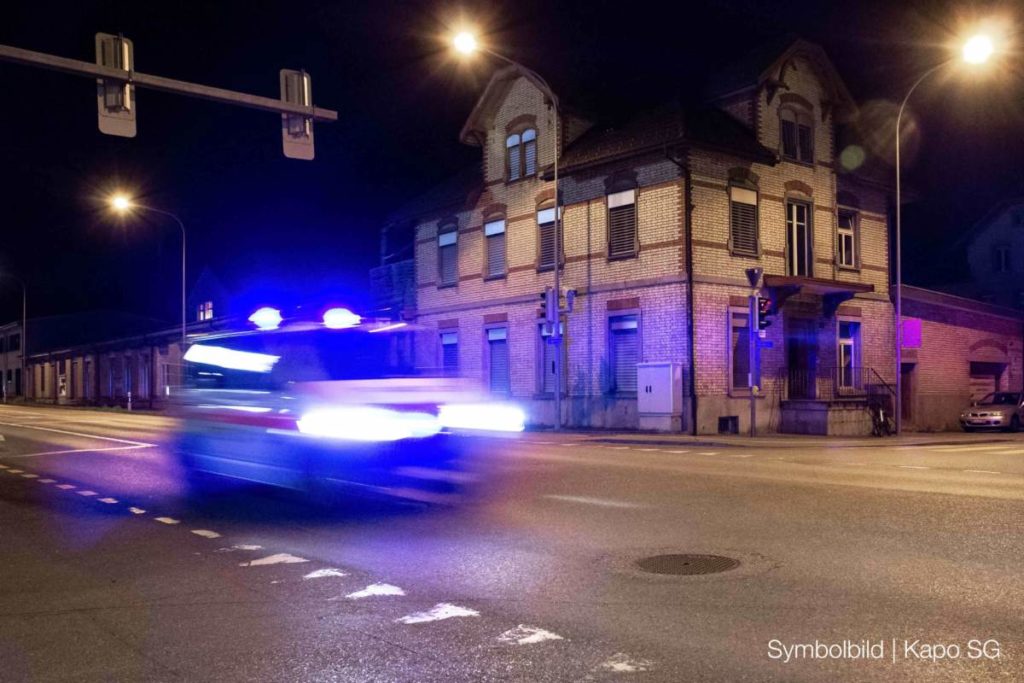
{"points": [[687, 565]]}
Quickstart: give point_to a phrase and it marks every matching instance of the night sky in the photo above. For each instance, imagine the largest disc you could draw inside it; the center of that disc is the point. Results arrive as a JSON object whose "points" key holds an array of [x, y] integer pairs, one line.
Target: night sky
{"points": [[268, 226]]}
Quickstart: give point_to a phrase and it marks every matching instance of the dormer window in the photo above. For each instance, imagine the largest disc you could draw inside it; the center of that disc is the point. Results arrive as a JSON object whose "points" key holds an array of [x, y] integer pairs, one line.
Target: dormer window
{"points": [[521, 153], [797, 128]]}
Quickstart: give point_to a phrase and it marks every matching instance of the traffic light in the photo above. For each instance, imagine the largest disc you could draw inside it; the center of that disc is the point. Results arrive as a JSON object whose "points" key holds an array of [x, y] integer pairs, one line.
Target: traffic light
{"points": [[296, 130], [115, 100], [764, 309]]}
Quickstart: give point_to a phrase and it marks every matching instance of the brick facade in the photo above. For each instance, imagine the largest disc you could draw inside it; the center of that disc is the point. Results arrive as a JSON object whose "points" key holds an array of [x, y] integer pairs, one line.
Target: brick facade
{"points": [[683, 223]]}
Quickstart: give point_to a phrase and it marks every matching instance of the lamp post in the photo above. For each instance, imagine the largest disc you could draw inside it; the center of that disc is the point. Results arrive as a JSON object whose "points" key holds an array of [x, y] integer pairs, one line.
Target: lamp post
{"points": [[467, 44], [24, 335], [123, 204], [976, 50]]}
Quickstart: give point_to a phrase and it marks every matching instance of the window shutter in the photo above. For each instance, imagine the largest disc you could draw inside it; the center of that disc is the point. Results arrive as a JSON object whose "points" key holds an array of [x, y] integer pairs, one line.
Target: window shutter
{"points": [[494, 234], [805, 143], [622, 224], [546, 235], [789, 139], [743, 218], [529, 152], [625, 352], [512, 154], [450, 353], [499, 367], [740, 351], [448, 263]]}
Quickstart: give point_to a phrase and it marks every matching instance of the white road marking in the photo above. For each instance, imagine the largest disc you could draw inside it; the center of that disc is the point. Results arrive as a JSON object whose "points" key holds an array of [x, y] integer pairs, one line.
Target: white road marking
{"points": [[599, 502], [648, 450], [136, 511], [4, 467], [1013, 451], [66, 487], [82, 450], [87, 493], [623, 663], [374, 590], [9, 470], [324, 573], [279, 558], [206, 533], [569, 445], [854, 464], [29, 475], [442, 610], [913, 467], [239, 547], [47, 481], [680, 452], [141, 444], [741, 455], [708, 453], [527, 635], [983, 471], [967, 449], [167, 520], [619, 448], [544, 443], [108, 501]]}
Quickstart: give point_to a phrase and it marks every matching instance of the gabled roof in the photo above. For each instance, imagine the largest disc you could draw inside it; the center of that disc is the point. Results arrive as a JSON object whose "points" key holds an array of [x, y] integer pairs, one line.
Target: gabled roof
{"points": [[770, 62], [666, 126], [478, 123]]}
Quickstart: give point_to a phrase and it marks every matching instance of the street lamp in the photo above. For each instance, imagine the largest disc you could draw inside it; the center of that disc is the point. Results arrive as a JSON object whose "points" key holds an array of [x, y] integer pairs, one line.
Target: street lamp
{"points": [[466, 43], [975, 51], [123, 204], [24, 336]]}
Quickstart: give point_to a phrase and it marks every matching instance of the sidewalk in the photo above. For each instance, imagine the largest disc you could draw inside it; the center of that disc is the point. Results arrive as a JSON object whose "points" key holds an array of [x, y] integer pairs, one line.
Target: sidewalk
{"points": [[780, 440]]}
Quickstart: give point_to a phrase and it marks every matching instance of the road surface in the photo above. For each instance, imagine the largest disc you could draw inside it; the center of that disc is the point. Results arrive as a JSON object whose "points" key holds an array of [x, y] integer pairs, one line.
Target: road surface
{"points": [[901, 559]]}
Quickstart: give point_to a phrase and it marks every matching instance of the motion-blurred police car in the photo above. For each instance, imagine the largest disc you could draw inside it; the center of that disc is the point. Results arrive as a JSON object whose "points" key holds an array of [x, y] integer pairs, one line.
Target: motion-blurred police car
{"points": [[332, 404]]}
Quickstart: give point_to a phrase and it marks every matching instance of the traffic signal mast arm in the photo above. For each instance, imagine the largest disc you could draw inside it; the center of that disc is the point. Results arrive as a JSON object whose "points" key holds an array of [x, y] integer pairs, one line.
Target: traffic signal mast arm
{"points": [[141, 80]]}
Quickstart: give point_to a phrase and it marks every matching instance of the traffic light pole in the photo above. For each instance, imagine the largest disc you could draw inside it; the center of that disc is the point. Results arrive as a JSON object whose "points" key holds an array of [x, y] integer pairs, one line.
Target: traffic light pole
{"points": [[754, 361]]}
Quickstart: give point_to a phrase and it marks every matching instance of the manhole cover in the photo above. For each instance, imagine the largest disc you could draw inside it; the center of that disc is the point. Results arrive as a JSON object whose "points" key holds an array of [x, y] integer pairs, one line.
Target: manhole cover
{"points": [[684, 565]]}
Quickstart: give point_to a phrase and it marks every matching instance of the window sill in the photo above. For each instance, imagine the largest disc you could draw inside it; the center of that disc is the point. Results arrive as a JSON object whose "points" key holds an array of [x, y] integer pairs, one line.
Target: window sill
{"points": [[790, 160], [490, 278], [745, 254], [450, 285], [848, 269], [624, 257]]}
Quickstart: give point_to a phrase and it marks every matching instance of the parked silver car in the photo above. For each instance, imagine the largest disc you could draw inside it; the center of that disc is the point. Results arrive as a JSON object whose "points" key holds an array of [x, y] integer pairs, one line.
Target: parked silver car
{"points": [[998, 410]]}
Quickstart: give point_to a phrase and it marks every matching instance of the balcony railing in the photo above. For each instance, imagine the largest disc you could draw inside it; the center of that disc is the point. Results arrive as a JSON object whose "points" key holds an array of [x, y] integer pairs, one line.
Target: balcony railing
{"points": [[836, 384]]}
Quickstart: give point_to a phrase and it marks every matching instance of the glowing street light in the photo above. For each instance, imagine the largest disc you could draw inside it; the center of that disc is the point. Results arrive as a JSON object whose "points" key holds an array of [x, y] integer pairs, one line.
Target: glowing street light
{"points": [[975, 51], [465, 43], [122, 203], [978, 49]]}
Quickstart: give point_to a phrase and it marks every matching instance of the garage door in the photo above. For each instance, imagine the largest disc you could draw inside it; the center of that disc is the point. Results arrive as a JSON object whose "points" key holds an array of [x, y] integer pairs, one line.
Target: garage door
{"points": [[985, 378]]}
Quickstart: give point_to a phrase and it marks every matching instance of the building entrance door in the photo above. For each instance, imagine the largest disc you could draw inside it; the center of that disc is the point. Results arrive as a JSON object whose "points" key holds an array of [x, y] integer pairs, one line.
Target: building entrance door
{"points": [[907, 392], [801, 357]]}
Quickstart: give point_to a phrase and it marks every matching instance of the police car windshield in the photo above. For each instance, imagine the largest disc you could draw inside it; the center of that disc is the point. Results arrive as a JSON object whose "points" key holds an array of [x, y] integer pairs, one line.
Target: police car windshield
{"points": [[304, 356]]}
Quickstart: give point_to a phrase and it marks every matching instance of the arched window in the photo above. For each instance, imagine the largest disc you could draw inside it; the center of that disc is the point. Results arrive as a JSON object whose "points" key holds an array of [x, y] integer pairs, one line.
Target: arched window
{"points": [[797, 128], [521, 154]]}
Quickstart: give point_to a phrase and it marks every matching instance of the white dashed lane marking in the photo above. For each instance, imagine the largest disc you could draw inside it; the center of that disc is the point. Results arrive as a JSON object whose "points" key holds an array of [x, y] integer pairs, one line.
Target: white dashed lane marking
{"points": [[623, 663], [679, 452], [167, 520], [14, 471], [325, 573], [136, 511], [599, 502], [438, 612], [108, 501], [206, 533], [373, 590], [279, 558], [913, 467], [29, 475], [66, 487], [708, 453], [87, 493], [47, 481], [527, 635], [647, 450], [983, 471]]}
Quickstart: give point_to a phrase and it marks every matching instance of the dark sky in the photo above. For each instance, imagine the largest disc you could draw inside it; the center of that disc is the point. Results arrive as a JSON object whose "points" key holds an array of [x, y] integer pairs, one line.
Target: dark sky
{"points": [[266, 224]]}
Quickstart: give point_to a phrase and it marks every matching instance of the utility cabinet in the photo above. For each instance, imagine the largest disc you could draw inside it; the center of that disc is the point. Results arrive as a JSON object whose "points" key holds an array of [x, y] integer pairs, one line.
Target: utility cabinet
{"points": [[659, 391]]}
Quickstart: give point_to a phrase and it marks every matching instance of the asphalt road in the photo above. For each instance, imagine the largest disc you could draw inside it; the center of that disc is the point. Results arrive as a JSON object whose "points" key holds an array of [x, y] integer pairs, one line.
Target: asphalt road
{"points": [[110, 572]]}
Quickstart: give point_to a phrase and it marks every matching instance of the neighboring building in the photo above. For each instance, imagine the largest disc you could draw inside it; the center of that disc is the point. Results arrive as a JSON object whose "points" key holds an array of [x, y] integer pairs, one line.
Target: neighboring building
{"points": [[995, 257], [955, 351], [661, 218], [12, 343]]}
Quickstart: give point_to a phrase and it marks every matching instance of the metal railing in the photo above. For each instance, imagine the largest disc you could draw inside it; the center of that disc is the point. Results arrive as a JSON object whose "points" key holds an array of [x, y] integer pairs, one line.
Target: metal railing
{"points": [[836, 384]]}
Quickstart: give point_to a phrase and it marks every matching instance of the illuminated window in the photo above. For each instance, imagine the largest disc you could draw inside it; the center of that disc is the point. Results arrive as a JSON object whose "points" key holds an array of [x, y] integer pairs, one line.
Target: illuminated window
{"points": [[450, 353], [623, 352], [743, 221], [546, 355], [622, 238], [846, 235], [448, 255], [546, 239], [204, 311], [849, 354], [521, 154], [498, 362], [797, 135], [739, 350], [798, 239], [494, 243]]}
